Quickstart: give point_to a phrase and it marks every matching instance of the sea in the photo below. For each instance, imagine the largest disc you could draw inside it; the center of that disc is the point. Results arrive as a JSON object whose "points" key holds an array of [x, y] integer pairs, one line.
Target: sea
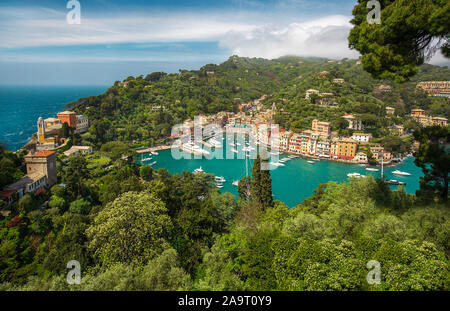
{"points": [[21, 106]]}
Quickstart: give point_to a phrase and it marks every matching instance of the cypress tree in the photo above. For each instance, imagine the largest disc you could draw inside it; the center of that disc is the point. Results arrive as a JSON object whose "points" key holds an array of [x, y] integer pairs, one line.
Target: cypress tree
{"points": [[261, 185], [255, 188]]}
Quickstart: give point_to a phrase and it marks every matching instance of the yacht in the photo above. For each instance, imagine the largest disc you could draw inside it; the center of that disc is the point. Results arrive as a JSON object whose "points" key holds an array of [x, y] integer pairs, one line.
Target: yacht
{"points": [[234, 150], [215, 143], [154, 153], [372, 169], [219, 186], [238, 144], [219, 179], [193, 147], [276, 164], [146, 159], [395, 182], [236, 183], [233, 144], [356, 175], [401, 173], [199, 170], [311, 162], [153, 163]]}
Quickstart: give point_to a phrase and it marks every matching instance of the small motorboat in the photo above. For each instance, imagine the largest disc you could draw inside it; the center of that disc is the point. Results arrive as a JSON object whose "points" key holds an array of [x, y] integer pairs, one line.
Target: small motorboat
{"points": [[372, 169], [146, 159], [234, 150], [236, 183], [355, 175], [219, 179], [153, 163], [311, 162], [397, 172], [276, 164], [154, 153]]}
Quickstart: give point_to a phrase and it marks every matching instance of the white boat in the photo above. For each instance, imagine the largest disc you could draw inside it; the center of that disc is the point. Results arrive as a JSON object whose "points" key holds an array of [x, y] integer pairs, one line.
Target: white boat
{"points": [[153, 163], [146, 159], [219, 186], [238, 144], [401, 173], [276, 164], [232, 144], [311, 162], [199, 170], [154, 153], [372, 169], [236, 183], [356, 175], [219, 179], [234, 150], [275, 153], [193, 147], [215, 143]]}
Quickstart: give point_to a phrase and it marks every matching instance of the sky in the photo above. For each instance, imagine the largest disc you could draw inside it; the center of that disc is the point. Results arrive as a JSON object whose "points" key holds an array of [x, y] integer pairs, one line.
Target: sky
{"points": [[116, 39]]}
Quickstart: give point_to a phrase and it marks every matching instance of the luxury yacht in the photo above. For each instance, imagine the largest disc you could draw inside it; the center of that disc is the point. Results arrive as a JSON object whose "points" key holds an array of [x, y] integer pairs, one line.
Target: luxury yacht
{"points": [[401, 173]]}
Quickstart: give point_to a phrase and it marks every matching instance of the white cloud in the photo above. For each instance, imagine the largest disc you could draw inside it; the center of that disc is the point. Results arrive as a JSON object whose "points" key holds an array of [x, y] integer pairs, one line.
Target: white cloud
{"points": [[251, 34], [324, 37]]}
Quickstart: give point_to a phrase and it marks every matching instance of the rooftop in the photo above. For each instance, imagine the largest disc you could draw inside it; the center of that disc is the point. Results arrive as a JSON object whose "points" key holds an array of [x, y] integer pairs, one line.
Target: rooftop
{"points": [[43, 154]]}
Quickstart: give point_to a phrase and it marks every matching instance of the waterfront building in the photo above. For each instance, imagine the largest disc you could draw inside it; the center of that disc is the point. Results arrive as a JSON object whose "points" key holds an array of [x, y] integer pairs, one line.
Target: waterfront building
{"points": [[354, 123], [362, 137], [361, 157], [323, 148], [284, 140], [295, 143], [378, 153], [343, 148], [323, 128]]}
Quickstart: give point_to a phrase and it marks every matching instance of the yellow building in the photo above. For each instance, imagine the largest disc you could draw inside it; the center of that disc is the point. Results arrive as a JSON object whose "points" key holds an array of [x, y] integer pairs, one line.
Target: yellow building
{"points": [[323, 128], [435, 87], [284, 140]]}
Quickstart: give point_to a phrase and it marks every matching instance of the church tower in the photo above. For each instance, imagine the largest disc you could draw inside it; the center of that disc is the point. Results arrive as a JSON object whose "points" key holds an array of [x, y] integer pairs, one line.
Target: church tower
{"points": [[41, 130]]}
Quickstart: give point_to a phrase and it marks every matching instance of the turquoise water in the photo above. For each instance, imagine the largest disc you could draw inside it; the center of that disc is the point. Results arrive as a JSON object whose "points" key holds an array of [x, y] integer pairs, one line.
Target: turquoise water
{"points": [[21, 106], [290, 184]]}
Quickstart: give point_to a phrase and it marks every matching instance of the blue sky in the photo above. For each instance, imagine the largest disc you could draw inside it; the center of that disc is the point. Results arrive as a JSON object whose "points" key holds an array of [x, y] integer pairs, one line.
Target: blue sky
{"points": [[120, 38]]}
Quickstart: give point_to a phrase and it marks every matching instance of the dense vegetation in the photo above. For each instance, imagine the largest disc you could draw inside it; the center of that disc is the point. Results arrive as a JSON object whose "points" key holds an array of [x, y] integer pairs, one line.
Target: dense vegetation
{"points": [[178, 233]]}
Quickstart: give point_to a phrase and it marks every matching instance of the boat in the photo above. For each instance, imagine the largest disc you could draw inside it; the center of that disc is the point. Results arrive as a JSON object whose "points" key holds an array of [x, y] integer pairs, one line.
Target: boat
{"points": [[236, 183], [238, 144], [234, 150], [311, 162], [154, 153], [372, 169], [275, 153], [219, 186], [146, 159], [356, 175], [194, 148], [397, 172], [219, 179], [199, 170], [276, 164], [232, 144], [395, 182], [215, 143], [153, 163]]}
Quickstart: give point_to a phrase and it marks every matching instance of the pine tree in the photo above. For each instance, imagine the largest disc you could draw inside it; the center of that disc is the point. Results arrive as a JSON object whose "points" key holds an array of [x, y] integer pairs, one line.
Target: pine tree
{"points": [[261, 185]]}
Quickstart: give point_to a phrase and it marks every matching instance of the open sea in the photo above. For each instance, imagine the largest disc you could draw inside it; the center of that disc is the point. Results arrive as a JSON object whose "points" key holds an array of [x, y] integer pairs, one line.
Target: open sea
{"points": [[21, 106]]}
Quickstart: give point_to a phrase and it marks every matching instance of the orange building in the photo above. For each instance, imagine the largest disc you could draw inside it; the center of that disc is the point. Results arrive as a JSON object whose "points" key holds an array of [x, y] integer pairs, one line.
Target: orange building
{"points": [[68, 117], [343, 148], [415, 113]]}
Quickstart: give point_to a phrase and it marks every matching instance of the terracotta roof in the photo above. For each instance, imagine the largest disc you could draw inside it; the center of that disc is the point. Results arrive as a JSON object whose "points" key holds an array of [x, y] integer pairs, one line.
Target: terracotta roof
{"points": [[6, 194], [43, 154]]}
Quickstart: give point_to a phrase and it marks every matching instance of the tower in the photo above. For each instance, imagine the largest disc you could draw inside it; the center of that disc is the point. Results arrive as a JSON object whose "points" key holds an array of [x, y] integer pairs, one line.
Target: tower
{"points": [[41, 130]]}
